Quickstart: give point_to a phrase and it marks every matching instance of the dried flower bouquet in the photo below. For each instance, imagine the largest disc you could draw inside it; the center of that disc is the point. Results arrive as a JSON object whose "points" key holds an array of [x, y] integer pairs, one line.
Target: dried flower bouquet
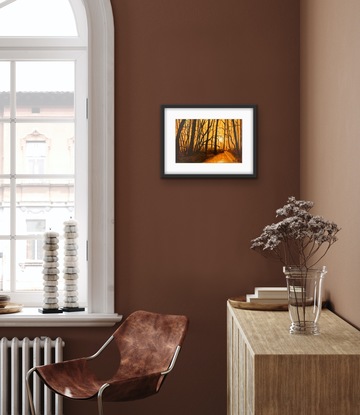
{"points": [[300, 239]]}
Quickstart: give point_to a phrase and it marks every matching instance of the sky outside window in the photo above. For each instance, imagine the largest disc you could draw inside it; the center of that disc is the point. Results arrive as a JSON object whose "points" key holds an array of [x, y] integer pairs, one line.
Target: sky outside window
{"points": [[26, 18]]}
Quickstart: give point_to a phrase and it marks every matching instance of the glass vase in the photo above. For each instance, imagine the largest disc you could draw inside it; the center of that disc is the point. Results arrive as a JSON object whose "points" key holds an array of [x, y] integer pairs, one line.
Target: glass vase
{"points": [[304, 287]]}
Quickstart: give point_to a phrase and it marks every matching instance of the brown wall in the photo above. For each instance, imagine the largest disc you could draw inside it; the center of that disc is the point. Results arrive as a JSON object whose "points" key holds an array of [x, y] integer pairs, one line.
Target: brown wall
{"points": [[182, 245], [330, 131]]}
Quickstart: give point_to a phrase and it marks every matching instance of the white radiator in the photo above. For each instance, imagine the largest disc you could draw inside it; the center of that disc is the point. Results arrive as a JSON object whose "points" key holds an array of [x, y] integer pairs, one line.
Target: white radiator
{"points": [[16, 358]]}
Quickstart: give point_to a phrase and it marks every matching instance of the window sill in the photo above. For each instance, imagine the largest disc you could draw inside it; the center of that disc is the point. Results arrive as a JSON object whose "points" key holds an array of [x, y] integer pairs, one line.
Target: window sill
{"points": [[30, 317]]}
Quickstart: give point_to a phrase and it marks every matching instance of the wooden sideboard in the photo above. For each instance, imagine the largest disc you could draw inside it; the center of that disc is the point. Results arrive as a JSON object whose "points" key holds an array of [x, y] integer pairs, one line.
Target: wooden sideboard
{"points": [[271, 372]]}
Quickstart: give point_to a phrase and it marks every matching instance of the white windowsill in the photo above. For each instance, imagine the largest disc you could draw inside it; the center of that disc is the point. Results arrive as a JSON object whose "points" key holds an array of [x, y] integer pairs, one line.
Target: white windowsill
{"points": [[31, 317]]}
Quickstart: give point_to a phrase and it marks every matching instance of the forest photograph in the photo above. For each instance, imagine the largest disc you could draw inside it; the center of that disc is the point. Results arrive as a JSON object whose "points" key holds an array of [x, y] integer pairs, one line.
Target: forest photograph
{"points": [[208, 140]]}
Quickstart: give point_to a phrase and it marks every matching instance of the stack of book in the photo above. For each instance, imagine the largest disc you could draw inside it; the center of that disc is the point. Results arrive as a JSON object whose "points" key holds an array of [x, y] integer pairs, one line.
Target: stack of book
{"points": [[268, 295]]}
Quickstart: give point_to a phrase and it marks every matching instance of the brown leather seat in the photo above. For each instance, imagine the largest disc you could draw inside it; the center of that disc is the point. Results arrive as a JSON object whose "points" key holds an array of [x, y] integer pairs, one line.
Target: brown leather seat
{"points": [[148, 345]]}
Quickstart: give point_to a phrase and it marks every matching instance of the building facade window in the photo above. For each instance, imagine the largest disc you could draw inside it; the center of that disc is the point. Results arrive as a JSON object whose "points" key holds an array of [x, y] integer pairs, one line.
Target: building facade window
{"points": [[34, 251], [47, 142], [35, 157]]}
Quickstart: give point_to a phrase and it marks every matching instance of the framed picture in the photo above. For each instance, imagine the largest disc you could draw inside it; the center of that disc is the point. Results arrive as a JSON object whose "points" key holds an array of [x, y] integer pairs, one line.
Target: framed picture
{"points": [[208, 141]]}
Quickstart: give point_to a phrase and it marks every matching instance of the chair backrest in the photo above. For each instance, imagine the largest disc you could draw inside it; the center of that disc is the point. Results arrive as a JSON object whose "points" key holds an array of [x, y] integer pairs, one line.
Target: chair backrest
{"points": [[147, 342]]}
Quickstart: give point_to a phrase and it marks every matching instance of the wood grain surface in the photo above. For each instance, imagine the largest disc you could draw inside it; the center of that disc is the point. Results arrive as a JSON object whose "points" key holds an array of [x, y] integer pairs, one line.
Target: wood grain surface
{"points": [[271, 372]]}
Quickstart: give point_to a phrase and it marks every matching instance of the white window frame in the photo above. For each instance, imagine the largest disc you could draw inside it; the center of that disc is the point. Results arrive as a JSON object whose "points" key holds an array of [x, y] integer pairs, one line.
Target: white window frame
{"points": [[101, 156], [101, 216]]}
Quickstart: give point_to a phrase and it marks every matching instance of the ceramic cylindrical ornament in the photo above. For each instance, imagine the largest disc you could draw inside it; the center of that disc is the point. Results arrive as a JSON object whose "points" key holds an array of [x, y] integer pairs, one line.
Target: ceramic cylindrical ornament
{"points": [[50, 273], [71, 267]]}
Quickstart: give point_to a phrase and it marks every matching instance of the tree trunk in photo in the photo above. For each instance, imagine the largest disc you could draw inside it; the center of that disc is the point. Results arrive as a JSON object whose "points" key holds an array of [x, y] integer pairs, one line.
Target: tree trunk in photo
{"points": [[226, 132], [199, 137], [178, 134], [240, 138], [215, 140], [192, 138], [208, 135], [236, 138]]}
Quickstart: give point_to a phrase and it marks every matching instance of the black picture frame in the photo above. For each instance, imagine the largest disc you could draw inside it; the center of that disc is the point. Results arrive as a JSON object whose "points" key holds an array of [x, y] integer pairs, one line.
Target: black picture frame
{"points": [[209, 141]]}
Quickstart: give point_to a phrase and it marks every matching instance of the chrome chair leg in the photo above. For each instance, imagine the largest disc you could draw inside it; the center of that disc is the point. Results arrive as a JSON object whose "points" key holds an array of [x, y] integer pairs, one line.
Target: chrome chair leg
{"points": [[29, 394], [99, 399]]}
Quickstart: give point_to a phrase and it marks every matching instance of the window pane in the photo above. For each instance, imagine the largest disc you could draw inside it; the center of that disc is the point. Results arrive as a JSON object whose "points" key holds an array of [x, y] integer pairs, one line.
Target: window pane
{"points": [[45, 148], [28, 269], [45, 76], [4, 76], [4, 265], [4, 148], [4, 207], [5, 105], [5, 115], [47, 202], [26, 18], [37, 105], [36, 226]]}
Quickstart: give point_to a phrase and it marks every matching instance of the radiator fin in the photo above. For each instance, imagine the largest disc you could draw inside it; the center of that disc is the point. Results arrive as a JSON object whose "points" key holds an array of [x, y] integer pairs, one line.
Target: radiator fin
{"points": [[16, 358]]}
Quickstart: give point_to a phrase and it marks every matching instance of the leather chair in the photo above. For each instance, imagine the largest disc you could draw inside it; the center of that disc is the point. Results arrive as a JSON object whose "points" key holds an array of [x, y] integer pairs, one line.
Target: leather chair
{"points": [[148, 345]]}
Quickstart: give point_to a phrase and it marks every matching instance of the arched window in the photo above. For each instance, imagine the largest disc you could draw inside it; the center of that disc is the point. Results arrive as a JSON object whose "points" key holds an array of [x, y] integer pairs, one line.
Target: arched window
{"points": [[56, 142]]}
